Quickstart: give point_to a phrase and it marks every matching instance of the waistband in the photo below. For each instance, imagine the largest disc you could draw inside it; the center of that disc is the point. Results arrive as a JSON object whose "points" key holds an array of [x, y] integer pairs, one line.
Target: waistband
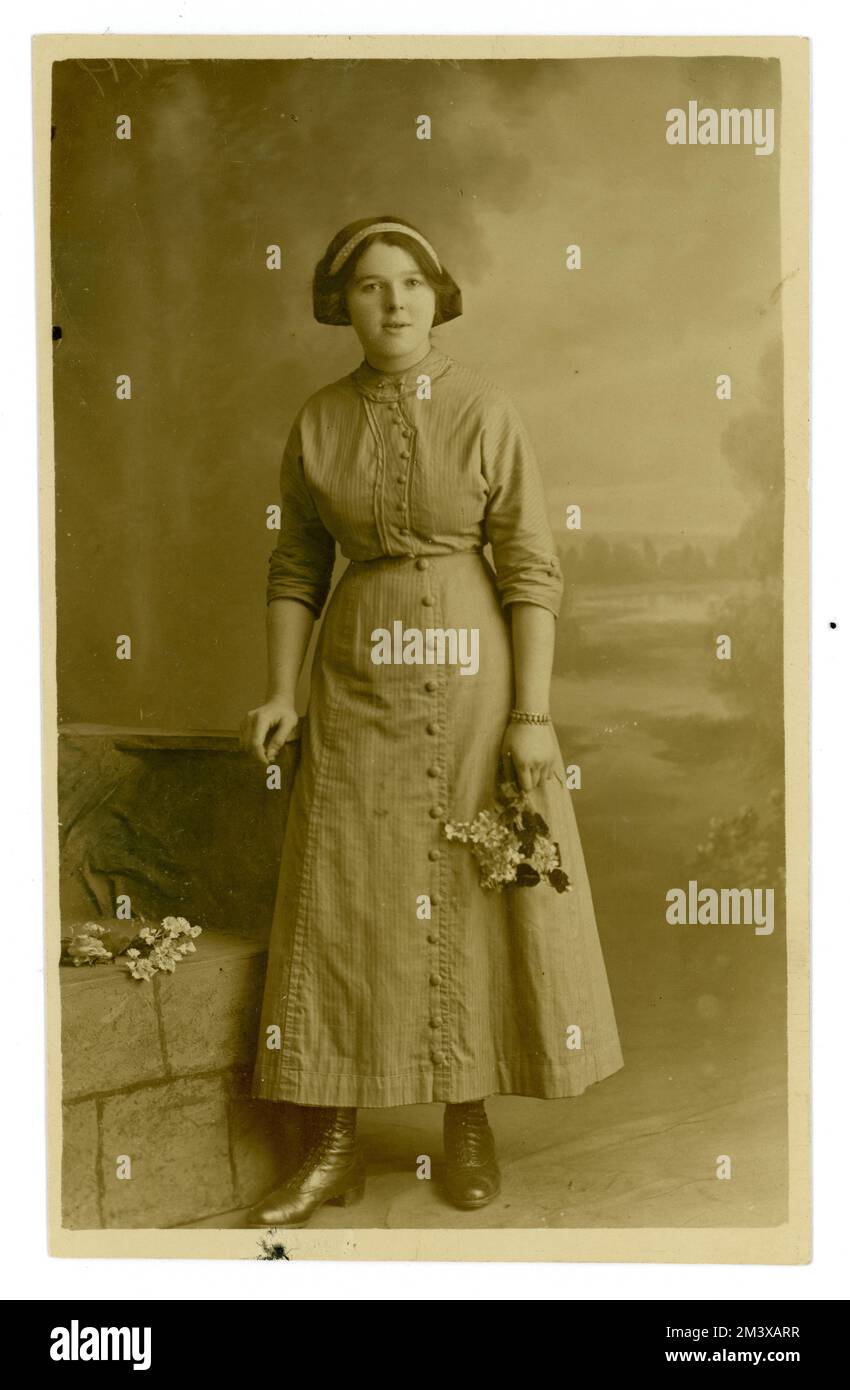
{"points": [[423, 559]]}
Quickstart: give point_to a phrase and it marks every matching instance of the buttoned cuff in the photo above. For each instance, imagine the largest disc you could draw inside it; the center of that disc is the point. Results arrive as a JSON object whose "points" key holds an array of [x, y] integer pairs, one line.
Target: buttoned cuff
{"points": [[541, 583]]}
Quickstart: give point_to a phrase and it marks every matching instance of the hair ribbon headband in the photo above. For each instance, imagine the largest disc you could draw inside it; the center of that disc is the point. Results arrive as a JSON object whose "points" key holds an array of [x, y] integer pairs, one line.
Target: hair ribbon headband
{"points": [[342, 255]]}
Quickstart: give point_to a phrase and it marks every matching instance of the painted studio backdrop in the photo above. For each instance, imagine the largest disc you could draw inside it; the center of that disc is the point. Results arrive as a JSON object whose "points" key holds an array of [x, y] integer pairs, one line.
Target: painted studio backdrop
{"points": [[648, 372]]}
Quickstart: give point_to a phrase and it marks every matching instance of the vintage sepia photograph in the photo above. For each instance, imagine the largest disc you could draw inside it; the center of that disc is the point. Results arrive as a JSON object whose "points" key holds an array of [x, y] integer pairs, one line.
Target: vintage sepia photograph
{"points": [[424, 599]]}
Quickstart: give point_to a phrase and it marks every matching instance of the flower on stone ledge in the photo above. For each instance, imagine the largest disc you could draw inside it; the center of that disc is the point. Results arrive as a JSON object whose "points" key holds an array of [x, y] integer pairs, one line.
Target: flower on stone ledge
{"points": [[151, 950], [84, 948]]}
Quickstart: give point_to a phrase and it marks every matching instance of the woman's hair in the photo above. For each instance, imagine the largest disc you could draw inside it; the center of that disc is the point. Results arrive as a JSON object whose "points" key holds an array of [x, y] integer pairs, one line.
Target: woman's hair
{"points": [[329, 304]]}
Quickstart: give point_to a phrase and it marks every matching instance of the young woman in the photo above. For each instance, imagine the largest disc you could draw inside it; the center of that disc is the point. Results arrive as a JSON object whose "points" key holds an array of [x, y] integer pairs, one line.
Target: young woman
{"points": [[394, 977]]}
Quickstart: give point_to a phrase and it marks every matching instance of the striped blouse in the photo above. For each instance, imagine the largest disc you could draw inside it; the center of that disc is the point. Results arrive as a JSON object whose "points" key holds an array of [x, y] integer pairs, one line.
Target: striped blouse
{"points": [[423, 462]]}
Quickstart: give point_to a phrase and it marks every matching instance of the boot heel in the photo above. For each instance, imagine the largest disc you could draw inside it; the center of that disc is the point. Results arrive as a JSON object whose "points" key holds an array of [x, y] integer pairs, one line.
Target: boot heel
{"points": [[350, 1196]]}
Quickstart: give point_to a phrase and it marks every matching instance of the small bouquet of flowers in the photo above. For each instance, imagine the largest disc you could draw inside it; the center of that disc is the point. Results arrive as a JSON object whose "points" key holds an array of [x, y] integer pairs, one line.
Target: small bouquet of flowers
{"points": [[150, 950], [512, 843]]}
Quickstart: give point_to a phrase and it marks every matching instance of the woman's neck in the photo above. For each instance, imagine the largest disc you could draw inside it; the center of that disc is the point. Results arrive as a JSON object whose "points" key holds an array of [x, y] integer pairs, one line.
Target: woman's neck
{"points": [[412, 360]]}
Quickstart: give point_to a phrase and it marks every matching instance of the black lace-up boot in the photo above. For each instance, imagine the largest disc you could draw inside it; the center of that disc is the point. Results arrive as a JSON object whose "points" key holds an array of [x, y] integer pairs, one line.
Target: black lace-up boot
{"points": [[333, 1170], [472, 1175]]}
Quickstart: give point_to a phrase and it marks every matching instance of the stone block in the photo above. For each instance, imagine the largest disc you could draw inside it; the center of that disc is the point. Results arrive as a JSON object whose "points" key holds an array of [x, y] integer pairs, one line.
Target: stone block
{"points": [[110, 1030], [210, 1006], [176, 1137], [266, 1139], [80, 1195]]}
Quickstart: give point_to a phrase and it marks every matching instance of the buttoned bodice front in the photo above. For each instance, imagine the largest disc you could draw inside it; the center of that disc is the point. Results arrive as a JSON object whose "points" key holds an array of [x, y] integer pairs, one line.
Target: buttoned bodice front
{"points": [[429, 461]]}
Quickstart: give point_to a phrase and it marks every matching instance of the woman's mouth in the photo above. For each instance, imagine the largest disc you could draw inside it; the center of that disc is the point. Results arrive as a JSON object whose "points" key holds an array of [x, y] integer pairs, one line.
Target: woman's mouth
{"points": [[390, 326]]}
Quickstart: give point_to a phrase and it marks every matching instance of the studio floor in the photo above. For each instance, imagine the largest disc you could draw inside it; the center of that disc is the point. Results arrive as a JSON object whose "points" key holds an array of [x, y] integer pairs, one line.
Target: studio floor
{"points": [[640, 1149]]}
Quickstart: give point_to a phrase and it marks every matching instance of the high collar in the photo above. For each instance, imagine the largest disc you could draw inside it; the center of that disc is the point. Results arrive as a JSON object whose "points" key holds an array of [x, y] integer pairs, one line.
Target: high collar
{"points": [[390, 386]]}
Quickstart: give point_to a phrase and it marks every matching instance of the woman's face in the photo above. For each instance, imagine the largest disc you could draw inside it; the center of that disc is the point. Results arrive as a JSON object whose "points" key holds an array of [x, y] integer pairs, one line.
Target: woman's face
{"points": [[391, 306]]}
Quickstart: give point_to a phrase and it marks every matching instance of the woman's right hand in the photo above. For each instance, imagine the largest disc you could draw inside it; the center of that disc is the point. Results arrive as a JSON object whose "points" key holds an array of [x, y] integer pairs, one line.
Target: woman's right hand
{"points": [[265, 730]]}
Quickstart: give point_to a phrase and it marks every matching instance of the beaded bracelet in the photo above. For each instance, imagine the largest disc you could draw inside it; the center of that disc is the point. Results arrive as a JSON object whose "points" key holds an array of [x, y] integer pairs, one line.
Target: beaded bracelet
{"points": [[524, 717]]}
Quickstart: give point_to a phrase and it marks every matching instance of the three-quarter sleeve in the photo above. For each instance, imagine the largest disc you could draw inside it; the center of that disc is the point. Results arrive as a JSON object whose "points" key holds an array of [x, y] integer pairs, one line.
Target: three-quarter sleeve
{"points": [[301, 564], [516, 523]]}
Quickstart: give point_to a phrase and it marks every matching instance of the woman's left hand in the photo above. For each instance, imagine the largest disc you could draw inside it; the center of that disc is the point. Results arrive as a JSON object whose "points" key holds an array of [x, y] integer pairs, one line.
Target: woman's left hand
{"points": [[531, 751]]}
